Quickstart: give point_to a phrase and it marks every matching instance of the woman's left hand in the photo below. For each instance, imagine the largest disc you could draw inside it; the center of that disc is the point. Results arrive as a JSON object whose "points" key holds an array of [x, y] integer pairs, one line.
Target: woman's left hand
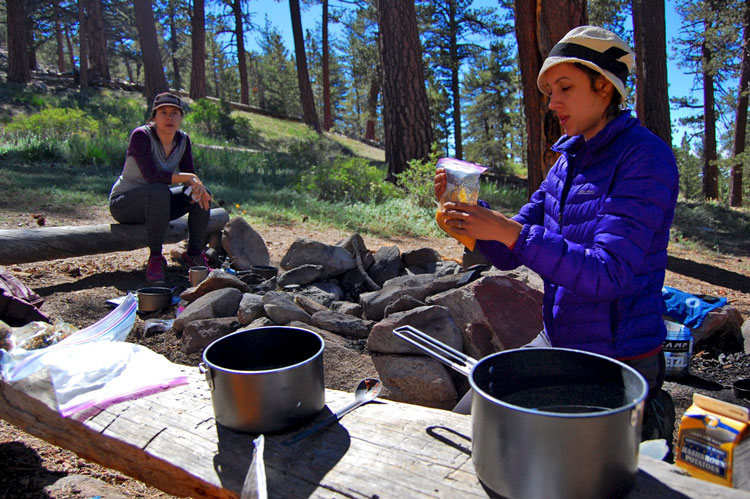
{"points": [[481, 223]]}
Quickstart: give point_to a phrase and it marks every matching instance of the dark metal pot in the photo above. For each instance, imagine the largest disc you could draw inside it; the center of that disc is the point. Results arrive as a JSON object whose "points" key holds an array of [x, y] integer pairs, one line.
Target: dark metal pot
{"points": [[265, 379], [154, 298], [549, 422]]}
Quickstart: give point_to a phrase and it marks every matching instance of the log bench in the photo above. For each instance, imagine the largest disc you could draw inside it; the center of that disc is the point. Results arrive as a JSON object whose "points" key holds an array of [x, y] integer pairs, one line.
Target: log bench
{"points": [[50, 243], [384, 449]]}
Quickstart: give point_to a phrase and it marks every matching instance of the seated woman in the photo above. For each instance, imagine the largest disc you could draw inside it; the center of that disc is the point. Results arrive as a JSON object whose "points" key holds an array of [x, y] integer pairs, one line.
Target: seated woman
{"points": [[597, 229], [159, 154]]}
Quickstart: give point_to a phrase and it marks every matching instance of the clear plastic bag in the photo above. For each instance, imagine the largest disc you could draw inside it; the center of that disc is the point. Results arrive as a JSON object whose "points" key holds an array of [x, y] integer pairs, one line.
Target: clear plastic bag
{"points": [[20, 363], [462, 187]]}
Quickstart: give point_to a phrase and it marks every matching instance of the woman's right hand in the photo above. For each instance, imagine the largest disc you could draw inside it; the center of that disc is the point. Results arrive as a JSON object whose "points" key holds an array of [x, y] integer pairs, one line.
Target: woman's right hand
{"points": [[441, 183]]}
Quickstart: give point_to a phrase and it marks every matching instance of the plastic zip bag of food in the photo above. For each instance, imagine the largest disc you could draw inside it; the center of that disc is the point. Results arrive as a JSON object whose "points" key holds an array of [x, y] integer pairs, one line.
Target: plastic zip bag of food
{"points": [[463, 187]]}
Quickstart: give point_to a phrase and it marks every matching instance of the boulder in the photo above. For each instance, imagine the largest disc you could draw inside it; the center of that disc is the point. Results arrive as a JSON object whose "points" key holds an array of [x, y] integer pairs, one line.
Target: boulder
{"points": [[387, 264], [220, 303], [494, 313], [444, 268], [726, 320], [420, 287], [421, 257], [304, 274], [746, 335], [364, 254], [416, 380], [308, 304], [433, 320], [403, 303], [343, 324], [217, 279], [198, 334], [282, 310], [259, 322], [347, 307], [324, 293], [250, 308], [335, 260], [244, 246]]}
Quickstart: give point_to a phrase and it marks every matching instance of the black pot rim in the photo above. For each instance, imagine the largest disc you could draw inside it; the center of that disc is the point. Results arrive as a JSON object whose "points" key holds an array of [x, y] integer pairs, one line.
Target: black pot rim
{"points": [[741, 388]]}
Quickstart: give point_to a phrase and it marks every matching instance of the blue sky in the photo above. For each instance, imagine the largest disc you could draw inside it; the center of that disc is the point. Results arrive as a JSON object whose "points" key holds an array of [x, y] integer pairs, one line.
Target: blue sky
{"points": [[278, 13]]}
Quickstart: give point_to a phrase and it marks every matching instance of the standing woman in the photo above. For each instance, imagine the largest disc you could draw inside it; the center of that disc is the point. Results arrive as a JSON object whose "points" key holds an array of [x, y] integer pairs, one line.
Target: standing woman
{"points": [[159, 154], [597, 229]]}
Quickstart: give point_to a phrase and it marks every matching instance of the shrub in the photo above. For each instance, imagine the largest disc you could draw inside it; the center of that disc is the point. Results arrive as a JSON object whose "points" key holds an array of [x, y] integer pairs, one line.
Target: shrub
{"points": [[215, 120], [417, 181], [54, 123], [348, 180]]}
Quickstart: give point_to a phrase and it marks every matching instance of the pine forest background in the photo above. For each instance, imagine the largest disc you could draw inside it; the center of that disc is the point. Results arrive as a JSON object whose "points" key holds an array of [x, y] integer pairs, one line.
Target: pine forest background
{"points": [[420, 79]]}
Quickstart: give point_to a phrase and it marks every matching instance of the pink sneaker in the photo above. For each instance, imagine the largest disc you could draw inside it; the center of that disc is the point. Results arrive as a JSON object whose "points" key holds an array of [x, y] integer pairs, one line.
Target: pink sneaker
{"points": [[155, 269], [193, 260]]}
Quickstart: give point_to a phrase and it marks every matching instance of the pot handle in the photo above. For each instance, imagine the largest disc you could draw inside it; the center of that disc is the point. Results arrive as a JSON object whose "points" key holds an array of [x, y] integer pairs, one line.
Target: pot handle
{"points": [[436, 349], [207, 372]]}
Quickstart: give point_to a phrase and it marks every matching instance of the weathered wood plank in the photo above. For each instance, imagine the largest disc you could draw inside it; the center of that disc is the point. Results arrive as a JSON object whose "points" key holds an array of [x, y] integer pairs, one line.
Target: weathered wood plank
{"points": [[50, 243], [387, 449]]}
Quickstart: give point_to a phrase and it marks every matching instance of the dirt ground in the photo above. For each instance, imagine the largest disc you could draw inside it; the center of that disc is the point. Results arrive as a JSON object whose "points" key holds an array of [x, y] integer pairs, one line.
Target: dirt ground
{"points": [[76, 289]]}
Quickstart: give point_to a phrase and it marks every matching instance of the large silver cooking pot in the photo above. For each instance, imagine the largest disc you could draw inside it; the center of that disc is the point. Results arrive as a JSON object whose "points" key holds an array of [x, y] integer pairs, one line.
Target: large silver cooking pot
{"points": [[265, 379], [549, 422]]}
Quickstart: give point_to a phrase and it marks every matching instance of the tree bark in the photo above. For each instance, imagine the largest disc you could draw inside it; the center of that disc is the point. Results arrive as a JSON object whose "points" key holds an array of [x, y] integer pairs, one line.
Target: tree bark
{"points": [[309, 115], [710, 169], [740, 123], [372, 105], [652, 94], [539, 25], [406, 113], [155, 82], [71, 55], [18, 53], [239, 34], [455, 83], [97, 42], [59, 38], [198, 48], [327, 120], [83, 52], [176, 78]]}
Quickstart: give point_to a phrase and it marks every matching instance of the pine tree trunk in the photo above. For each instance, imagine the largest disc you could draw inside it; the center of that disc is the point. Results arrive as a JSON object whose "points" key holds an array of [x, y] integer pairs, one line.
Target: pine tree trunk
{"points": [[309, 115], [30, 44], [372, 105], [59, 39], [198, 47], [153, 70], [97, 42], [241, 60], [83, 52], [406, 112], [327, 120], [652, 94], [740, 122], [71, 55], [455, 84], [710, 169], [18, 53], [176, 80]]}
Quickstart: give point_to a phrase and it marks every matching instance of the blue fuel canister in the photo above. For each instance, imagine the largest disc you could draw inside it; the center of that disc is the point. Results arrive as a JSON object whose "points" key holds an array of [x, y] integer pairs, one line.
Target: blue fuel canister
{"points": [[677, 347]]}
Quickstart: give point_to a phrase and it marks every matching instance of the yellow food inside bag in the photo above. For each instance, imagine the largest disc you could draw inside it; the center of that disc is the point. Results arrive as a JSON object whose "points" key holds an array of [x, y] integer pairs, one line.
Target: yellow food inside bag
{"points": [[467, 241]]}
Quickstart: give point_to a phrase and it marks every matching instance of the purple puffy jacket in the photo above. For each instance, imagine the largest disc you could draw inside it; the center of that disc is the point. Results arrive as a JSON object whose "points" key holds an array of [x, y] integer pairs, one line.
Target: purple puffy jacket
{"points": [[600, 241]]}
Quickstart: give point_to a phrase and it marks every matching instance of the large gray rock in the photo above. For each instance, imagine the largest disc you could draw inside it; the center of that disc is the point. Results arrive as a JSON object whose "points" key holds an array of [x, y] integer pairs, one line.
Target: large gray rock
{"points": [[304, 274], [405, 302], [432, 320], [220, 303], [420, 287], [217, 279], [746, 335], [494, 313], [416, 380], [726, 320], [335, 260], [76, 485], [250, 308], [282, 310], [387, 264], [308, 304], [199, 334], [347, 307], [244, 246], [342, 324], [324, 293]]}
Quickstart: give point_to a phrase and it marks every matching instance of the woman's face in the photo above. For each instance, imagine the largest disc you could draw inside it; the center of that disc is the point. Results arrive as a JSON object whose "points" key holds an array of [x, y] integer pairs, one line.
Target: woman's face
{"points": [[168, 119], [580, 108]]}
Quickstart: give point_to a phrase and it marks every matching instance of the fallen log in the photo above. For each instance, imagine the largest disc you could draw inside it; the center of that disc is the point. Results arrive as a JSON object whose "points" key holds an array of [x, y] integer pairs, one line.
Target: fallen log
{"points": [[50, 243]]}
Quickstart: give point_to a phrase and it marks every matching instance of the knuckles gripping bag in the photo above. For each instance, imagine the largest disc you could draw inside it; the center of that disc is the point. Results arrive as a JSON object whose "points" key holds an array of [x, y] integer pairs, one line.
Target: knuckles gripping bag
{"points": [[463, 187]]}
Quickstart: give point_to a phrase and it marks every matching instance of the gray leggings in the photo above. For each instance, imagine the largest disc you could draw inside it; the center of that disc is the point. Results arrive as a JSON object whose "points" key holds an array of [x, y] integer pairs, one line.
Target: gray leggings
{"points": [[157, 204]]}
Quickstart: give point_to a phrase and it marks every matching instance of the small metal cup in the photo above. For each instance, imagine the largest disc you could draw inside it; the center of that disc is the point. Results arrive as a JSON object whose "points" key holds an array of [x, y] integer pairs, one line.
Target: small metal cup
{"points": [[197, 274]]}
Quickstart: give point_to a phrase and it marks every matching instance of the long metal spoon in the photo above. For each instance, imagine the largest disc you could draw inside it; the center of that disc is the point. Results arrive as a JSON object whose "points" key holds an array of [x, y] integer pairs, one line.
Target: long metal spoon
{"points": [[366, 391]]}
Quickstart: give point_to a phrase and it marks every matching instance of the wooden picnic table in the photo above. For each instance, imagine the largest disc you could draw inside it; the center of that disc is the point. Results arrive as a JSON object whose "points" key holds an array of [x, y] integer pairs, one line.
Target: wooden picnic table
{"points": [[170, 440]]}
